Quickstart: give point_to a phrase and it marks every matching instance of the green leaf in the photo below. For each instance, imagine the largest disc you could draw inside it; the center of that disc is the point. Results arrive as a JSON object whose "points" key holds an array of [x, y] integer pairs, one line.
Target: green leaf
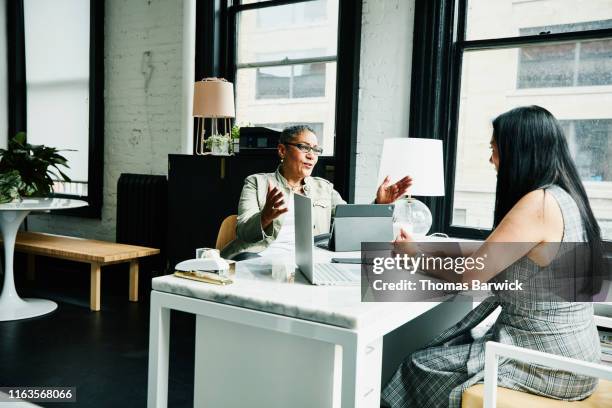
{"points": [[64, 176], [26, 169], [20, 138]]}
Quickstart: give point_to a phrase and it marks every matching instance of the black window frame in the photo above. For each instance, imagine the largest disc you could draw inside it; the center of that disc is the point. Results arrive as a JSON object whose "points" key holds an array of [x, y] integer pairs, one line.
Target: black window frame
{"points": [[216, 56], [17, 98], [439, 45]]}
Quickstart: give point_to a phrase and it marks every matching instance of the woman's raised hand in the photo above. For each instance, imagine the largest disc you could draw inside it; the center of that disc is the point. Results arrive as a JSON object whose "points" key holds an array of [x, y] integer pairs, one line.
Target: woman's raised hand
{"points": [[274, 206], [387, 194]]}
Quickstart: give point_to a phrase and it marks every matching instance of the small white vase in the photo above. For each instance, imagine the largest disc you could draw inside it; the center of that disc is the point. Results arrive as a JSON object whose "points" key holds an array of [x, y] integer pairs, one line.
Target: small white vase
{"points": [[220, 149]]}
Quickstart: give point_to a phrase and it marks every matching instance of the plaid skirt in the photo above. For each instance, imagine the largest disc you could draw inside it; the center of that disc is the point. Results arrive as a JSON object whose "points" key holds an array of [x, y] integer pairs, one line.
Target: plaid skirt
{"points": [[437, 375]]}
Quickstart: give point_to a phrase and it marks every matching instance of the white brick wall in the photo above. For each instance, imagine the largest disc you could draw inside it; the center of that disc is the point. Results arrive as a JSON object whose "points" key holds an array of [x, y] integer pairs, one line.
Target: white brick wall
{"points": [[384, 85], [142, 126]]}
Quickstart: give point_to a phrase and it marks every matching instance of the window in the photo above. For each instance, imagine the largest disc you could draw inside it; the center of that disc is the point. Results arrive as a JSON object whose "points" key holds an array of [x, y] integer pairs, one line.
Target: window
{"points": [[459, 215], [514, 53], [580, 63], [487, 19], [316, 127], [57, 77], [291, 81], [286, 65], [62, 88], [283, 57], [300, 14], [590, 143]]}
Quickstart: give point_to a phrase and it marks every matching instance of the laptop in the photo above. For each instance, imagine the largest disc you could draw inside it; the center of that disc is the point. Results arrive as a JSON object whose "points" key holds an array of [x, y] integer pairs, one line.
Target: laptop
{"points": [[320, 273]]}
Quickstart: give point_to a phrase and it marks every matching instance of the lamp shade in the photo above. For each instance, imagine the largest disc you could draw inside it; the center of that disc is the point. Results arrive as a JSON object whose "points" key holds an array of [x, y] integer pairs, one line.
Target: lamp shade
{"points": [[420, 159], [213, 98]]}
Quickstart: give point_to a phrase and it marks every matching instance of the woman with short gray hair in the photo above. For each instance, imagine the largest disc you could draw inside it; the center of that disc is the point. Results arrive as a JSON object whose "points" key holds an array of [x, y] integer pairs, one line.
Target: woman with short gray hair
{"points": [[265, 216]]}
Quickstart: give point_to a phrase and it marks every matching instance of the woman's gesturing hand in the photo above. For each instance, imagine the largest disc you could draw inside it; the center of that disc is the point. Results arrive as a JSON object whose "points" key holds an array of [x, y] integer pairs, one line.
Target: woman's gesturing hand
{"points": [[403, 236], [274, 206], [404, 244], [387, 194]]}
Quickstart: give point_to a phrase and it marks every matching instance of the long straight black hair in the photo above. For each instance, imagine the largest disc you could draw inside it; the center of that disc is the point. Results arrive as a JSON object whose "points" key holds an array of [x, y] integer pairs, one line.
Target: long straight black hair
{"points": [[533, 154]]}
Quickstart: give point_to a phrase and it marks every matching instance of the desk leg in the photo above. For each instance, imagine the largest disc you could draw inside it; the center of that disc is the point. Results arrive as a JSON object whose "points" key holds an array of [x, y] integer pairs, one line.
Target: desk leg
{"points": [[94, 287], [361, 374], [134, 280], [159, 342], [350, 371]]}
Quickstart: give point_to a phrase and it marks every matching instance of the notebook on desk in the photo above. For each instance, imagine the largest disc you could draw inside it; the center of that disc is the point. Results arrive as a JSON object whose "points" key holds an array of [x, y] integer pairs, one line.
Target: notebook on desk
{"points": [[320, 273]]}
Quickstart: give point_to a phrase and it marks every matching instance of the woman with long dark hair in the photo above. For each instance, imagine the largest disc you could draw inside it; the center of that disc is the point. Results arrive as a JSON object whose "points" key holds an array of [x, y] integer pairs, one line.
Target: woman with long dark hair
{"points": [[540, 204]]}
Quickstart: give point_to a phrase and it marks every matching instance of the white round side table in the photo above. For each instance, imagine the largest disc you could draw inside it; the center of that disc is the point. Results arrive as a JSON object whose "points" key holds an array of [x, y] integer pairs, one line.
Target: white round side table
{"points": [[12, 307]]}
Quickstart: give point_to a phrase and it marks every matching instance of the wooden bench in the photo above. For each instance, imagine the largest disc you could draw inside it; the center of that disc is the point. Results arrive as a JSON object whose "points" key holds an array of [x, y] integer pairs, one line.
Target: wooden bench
{"points": [[95, 253]]}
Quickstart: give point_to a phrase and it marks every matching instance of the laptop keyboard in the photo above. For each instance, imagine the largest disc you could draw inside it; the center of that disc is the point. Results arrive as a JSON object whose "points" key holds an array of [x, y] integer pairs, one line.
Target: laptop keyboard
{"points": [[337, 274]]}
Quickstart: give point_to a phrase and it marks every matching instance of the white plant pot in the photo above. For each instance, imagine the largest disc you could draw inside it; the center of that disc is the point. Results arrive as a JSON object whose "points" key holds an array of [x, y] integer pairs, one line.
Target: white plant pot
{"points": [[220, 148]]}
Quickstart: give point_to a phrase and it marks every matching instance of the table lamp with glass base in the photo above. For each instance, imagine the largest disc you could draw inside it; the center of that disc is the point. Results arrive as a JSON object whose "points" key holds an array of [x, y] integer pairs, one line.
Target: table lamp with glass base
{"points": [[411, 215]]}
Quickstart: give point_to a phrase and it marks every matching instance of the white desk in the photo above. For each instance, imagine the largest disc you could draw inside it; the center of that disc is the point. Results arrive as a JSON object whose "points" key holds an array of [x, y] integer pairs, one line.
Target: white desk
{"points": [[263, 341], [12, 214]]}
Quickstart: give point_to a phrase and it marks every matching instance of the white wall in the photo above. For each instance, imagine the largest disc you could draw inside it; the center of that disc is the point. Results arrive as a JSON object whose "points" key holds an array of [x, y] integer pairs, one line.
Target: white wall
{"points": [[384, 85], [142, 126], [143, 122]]}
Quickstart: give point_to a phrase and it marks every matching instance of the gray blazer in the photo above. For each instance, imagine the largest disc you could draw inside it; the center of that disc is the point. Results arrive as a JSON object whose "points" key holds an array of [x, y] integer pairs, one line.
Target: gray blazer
{"points": [[251, 237]]}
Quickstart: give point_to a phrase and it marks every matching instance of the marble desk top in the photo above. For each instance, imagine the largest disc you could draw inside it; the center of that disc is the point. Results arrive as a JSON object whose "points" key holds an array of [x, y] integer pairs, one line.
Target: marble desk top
{"points": [[256, 287]]}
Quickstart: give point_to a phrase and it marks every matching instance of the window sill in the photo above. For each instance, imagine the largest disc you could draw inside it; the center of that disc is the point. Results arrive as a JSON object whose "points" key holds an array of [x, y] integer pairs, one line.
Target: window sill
{"points": [[524, 1], [573, 91], [289, 27], [289, 101]]}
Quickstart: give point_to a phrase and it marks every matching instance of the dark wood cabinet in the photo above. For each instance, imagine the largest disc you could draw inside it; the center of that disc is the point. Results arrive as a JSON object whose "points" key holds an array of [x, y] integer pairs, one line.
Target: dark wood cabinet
{"points": [[202, 191]]}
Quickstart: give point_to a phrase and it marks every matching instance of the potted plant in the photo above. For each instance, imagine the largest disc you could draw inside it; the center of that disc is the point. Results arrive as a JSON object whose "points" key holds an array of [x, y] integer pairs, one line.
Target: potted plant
{"points": [[219, 144], [29, 170], [235, 139]]}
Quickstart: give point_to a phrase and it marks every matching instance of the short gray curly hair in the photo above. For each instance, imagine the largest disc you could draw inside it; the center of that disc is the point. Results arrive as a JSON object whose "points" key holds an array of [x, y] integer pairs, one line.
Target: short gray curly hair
{"points": [[291, 132]]}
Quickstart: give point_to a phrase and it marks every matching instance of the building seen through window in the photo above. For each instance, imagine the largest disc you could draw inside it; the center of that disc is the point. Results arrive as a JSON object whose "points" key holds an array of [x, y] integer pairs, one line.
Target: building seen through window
{"points": [[572, 79], [286, 66], [590, 143], [579, 63], [310, 12], [290, 81], [316, 127]]}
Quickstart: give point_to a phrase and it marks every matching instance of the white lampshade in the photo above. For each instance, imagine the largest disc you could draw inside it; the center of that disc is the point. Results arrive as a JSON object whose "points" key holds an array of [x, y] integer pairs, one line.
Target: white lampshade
{"points": [[420, 159], [213, 98]]}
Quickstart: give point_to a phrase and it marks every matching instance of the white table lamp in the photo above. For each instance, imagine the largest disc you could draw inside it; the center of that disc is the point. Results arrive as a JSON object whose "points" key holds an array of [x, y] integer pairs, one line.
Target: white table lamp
{"points": [[422, 160]]}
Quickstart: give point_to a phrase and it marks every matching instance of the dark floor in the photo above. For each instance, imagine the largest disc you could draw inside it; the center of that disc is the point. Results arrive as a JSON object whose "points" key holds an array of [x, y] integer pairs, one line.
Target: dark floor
{"points": [[103, 354]]}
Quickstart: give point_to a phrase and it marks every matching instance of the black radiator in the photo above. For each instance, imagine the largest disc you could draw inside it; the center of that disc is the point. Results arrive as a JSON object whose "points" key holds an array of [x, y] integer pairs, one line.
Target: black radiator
{"points": [[142, 217]]}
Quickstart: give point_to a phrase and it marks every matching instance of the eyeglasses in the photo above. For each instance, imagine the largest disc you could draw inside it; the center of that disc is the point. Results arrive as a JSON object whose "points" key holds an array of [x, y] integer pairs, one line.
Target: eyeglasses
{"points": [[304, 148]]}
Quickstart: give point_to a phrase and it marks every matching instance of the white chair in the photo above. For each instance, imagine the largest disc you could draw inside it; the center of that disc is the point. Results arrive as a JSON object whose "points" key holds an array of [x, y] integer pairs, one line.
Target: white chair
{"points": [[473, 396]]}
